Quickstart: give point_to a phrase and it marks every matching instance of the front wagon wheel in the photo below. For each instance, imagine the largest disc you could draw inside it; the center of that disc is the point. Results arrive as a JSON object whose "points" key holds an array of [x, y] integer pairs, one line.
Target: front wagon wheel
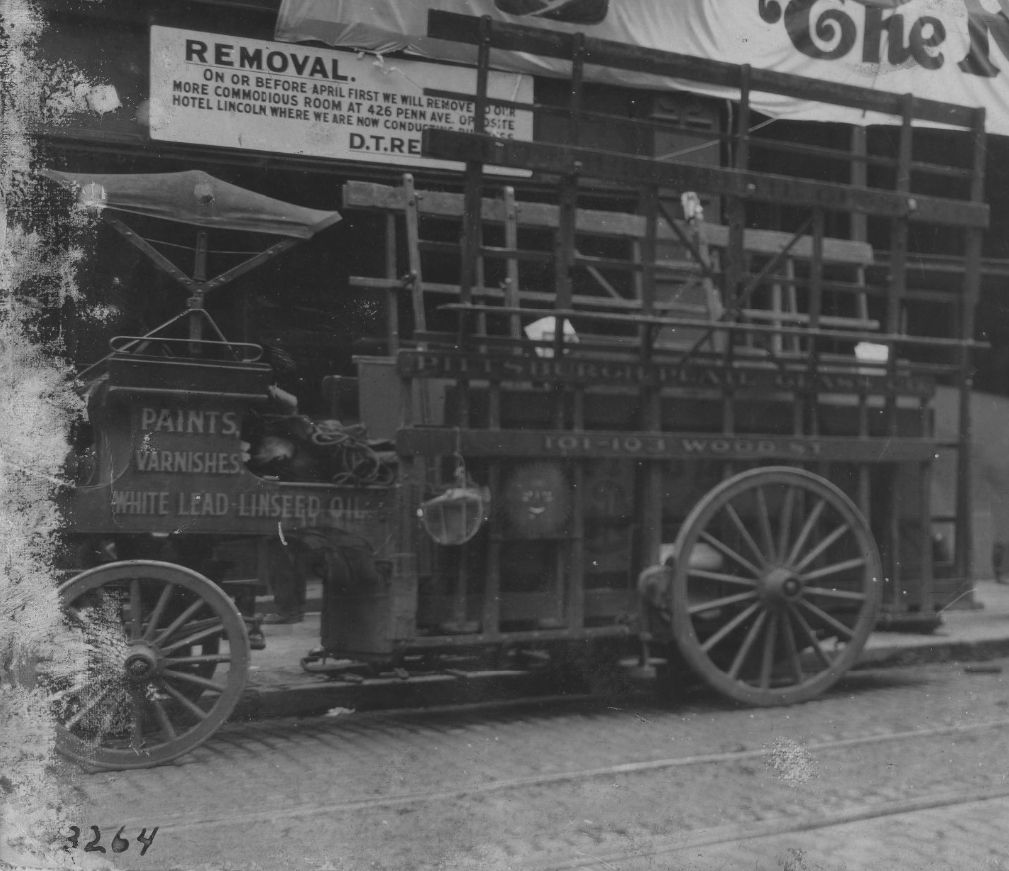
{"points": [[786, 589], [166, 657]]}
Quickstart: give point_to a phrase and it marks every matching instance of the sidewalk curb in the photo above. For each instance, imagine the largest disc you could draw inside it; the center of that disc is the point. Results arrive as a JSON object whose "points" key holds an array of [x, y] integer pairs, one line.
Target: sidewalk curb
{"points": [[315, 698], [932, 650]]}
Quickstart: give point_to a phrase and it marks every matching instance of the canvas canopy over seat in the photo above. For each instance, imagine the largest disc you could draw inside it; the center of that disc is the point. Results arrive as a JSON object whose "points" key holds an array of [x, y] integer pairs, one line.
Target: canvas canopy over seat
{"points": [[197, 198]]}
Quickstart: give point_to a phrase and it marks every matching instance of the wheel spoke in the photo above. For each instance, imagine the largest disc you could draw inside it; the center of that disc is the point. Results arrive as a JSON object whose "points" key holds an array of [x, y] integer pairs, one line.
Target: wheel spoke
{"points": [[721, 577], [725, 550], [824, 543], [745, 533], [106, 723], [807, 528], [137, 732], [786, 521], [186, 677], [790, 647], [83, 712], [179, 621], [216, 629], [723, 602], [162, 717], [185, 701], [836, 625], [826, 571], [810, 636], [736, 621], [159, 610], [764, 516], [215, 657], [767, 660], [197, 626], [135, 608], [833, 594], [744, 648]]}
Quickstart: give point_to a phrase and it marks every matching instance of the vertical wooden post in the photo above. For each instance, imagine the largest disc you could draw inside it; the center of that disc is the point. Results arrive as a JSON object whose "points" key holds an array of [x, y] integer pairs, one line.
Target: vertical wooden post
{"points": [[963, 559], [649, 473], [196, 300], [566, 231], [392, 297], [412, 219], [574, 611], [896, 292], [735, 207], [898, 254], [815, 307], [860, 233], [470, 243], [490, 609], [511, 240]]}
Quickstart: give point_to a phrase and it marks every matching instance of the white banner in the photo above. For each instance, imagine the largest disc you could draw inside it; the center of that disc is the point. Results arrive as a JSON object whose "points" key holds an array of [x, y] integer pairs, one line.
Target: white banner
{"points": [[232, 92], [952, 50]]}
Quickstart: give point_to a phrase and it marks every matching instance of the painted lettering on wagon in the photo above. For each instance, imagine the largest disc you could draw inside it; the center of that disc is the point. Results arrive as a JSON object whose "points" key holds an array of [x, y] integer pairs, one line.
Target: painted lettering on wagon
{"points": [[825, 32], [659, 445], [624, 372], [190, 421], [304, 507], [189, 462]]}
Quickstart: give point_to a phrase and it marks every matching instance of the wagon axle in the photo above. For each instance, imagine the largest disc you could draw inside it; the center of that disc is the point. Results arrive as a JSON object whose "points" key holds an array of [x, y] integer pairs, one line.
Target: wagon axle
{"points": [[779, 584], [143, 662]]}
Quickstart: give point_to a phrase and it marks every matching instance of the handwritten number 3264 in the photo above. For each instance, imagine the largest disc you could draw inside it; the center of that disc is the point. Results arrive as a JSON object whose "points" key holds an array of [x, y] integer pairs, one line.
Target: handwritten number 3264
{"points": [[119, 843]]}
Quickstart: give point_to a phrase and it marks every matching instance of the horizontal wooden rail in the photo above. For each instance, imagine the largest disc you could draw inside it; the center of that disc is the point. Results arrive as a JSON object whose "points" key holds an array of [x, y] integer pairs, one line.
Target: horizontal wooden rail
{"points": [[597, 222], [730, 326], [654, 122], [634, 171], [762, 314], [590, 301]]}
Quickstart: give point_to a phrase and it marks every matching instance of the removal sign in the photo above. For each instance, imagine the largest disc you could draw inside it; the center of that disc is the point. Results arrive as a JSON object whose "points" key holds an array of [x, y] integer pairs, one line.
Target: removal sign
{"points": [[232, 92]]}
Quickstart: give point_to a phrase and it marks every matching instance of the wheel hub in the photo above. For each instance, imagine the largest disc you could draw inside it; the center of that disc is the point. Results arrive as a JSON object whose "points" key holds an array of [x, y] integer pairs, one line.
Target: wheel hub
{"points": [[141, 663], [781, 585]]}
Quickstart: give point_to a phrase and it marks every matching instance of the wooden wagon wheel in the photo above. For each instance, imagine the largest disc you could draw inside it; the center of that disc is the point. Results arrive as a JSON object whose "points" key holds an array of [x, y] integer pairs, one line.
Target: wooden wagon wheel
{"points": [[785, 589], [167, 659]]}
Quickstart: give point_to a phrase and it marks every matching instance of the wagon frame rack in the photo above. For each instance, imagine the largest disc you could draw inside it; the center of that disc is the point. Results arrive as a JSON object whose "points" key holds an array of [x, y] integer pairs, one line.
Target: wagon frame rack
{"points": [[576, 167]]}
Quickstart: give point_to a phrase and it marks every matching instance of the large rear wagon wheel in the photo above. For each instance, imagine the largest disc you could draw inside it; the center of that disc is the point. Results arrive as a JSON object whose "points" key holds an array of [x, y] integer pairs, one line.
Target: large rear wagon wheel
{"points": [[788, 591], [167, 658]]}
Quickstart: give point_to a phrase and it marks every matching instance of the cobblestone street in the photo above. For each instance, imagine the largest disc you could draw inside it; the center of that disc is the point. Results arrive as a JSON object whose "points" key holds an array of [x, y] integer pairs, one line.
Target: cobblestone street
{"points": [[905, 768]]}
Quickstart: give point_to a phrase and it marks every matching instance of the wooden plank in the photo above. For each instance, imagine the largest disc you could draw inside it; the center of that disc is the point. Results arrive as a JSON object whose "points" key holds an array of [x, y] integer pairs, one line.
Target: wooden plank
{"points": [[594, 222], [630, 170], [564, 444], [780, 315], [413, 253], [635, 58], [534, 296], [664, 321]]}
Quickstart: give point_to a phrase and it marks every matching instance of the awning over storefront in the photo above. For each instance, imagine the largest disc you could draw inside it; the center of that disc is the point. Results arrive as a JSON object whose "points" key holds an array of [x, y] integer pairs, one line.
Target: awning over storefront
{"points": [[953, 50], [196, 198]]}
